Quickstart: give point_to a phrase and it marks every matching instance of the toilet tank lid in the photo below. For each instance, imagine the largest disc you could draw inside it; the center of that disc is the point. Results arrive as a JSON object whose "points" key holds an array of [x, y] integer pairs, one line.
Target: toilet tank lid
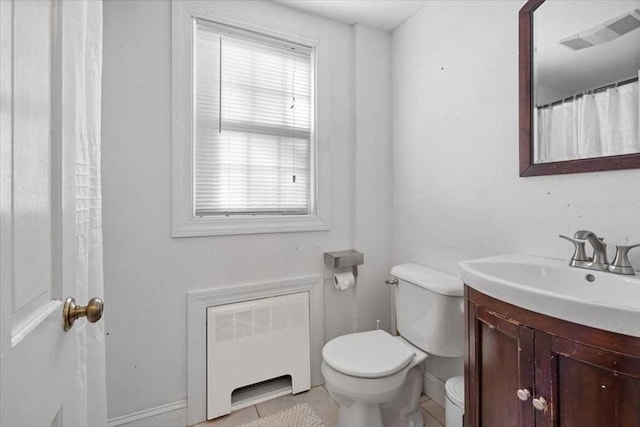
{"points": [[428, 278]]}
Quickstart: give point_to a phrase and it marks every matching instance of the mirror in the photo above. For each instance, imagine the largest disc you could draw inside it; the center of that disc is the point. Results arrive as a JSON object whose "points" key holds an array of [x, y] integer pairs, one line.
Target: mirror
{"points": [[579, 90]]}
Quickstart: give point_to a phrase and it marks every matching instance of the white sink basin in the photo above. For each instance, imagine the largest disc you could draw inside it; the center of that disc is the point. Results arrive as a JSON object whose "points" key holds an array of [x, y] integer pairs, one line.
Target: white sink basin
{"points": [[610, 302]]}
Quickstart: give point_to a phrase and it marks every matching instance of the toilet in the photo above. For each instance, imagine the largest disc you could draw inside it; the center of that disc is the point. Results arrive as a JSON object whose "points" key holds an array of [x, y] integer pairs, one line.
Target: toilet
{"points": [[454, 409], [375, 377]]}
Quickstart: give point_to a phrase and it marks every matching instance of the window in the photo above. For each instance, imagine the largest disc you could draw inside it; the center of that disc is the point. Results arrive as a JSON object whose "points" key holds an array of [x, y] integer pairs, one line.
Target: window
{"points": [[253, 124], [244, 153]]}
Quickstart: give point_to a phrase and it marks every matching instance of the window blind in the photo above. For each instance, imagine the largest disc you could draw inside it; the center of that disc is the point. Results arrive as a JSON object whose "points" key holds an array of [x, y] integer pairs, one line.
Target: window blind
{"points": [[253, 124]]}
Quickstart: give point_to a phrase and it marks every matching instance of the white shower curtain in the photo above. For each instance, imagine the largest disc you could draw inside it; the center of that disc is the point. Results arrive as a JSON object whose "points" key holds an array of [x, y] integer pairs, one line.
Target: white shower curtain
{"points": [[595, 125], [81, 105]]}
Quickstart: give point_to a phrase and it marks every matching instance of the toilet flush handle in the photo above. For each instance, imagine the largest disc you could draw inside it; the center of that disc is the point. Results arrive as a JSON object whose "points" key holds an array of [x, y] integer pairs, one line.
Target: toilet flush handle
{"points": [[393, 282]]}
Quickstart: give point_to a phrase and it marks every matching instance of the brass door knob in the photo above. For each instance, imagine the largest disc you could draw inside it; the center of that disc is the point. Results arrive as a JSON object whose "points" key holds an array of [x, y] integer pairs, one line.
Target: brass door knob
{"points": [[92, 311]]}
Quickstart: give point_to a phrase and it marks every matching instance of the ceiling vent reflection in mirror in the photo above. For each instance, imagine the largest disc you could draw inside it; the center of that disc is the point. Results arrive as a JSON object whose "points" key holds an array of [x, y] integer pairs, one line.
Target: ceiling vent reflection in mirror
{"points": [[606, 32]]}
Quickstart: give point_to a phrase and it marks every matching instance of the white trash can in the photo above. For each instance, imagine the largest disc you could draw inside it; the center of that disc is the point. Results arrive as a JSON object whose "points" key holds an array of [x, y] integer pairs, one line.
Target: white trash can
{"points": [[454, 407]]}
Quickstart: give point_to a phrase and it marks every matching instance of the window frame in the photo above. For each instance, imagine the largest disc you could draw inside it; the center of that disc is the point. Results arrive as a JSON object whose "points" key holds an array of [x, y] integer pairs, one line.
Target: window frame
{"points": [[184, 222]]}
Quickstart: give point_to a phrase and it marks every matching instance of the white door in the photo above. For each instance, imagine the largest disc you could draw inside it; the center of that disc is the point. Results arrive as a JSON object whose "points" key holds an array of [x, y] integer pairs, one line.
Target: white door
{"points": [[42, 377]]}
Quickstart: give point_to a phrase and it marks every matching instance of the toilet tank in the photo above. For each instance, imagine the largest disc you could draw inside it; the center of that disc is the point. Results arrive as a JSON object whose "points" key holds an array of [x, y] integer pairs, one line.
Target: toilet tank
{"points": [[430, 309]]}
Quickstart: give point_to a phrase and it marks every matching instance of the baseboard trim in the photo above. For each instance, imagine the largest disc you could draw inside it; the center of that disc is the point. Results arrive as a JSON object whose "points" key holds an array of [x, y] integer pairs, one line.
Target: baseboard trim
{"points": [[157, 412], [434, 388]]}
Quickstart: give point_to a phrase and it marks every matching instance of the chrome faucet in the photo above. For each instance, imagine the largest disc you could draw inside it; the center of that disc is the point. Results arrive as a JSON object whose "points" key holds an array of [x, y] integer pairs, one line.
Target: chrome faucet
{"points": [[620, 264], [599, 259]]}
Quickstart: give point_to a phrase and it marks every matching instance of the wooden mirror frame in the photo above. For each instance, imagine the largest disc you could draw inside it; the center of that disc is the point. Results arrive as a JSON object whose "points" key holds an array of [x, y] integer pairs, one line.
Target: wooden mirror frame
{"points": [[527, 167]]}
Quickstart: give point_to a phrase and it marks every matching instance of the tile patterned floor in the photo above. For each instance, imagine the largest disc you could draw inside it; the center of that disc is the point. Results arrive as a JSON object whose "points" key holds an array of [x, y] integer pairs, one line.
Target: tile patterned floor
{"points": [[322, 403], [432, 413]]}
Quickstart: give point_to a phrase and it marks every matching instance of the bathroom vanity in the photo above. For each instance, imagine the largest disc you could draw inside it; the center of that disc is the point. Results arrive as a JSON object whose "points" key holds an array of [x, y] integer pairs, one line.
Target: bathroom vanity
{"points": [[526, 369], [550, 345]]}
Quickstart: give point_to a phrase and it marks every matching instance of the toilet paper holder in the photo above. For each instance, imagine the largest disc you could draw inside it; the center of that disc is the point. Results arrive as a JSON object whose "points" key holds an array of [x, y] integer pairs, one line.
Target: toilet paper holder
{"points": [[344, 259]]}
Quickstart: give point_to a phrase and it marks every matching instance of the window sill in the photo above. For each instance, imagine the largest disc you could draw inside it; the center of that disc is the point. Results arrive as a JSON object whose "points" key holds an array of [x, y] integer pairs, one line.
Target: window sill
{"points": [[229, 226]]}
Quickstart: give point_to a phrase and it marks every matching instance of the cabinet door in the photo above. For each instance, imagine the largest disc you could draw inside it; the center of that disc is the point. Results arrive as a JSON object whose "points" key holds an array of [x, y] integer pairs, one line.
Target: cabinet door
{"points": [[499, 362], [585, 386]]}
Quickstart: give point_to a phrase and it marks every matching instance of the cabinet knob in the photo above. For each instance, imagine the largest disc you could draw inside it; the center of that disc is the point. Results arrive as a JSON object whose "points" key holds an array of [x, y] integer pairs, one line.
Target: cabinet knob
{"points": [[540, 404], [523, 394]]}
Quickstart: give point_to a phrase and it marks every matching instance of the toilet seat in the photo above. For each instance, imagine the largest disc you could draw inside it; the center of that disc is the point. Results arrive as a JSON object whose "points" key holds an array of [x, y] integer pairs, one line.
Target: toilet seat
{"points": [[372, 354]]}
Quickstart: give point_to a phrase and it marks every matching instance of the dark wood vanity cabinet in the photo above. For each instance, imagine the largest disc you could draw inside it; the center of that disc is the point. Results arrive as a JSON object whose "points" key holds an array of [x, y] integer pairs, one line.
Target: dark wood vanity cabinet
{"points": [[578, 376]]}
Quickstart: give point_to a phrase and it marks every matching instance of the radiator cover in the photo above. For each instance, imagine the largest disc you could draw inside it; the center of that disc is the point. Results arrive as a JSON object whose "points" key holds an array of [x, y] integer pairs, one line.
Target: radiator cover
{"points": [[254, 341]]}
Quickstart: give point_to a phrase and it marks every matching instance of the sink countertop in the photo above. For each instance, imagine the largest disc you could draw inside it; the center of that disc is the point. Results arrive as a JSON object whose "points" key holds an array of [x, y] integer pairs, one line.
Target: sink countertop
{"points": [[610, 302]]}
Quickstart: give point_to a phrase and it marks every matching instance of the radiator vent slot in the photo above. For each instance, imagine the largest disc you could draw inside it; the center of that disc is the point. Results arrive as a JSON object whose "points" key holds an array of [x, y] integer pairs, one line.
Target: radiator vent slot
{"points": [[244, 324], [279, 317], [262, 321], [224, 327], [260, 392]]}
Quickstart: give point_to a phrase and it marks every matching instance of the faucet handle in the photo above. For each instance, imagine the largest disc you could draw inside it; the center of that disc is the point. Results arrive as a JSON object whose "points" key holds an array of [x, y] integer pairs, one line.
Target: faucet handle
{"points": [[621, 263], [580, 254]]}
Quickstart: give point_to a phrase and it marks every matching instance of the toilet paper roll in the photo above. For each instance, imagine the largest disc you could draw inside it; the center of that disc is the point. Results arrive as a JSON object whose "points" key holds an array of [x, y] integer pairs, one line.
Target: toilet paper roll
{"points": [[342, 281]]}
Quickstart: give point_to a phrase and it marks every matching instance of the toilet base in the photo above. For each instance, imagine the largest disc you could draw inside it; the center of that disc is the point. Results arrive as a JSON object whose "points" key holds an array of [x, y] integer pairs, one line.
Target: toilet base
{"points": [[403, 411], [359, 414]]}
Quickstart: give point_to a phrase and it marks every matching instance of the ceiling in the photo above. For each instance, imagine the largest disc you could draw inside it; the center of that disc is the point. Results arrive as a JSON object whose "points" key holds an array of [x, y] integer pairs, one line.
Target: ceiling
{"points": [[384, 15]]}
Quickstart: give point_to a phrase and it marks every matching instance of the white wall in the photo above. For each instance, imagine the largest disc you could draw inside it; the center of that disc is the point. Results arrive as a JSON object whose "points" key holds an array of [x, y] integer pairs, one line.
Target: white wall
{"points": [[372, 215], [147, 273], [455, 185], [456, 190]]}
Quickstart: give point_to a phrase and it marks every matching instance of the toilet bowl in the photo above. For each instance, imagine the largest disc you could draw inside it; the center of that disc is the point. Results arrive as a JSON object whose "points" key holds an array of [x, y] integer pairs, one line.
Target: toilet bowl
{"points": [[454, 406], [376, 378]]}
